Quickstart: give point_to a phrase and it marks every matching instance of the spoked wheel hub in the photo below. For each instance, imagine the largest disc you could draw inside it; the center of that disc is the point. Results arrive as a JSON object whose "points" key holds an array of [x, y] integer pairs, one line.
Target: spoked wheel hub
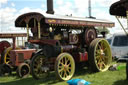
{"points": [[38, 66], [64, 66]]}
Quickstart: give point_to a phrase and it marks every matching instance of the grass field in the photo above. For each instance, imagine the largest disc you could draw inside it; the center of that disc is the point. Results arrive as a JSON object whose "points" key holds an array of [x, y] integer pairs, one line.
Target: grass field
{"points": [[101, 78]]}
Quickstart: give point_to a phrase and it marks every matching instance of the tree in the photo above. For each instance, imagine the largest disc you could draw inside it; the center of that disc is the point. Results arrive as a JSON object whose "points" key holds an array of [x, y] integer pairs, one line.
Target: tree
{"points": [[101, 29]]}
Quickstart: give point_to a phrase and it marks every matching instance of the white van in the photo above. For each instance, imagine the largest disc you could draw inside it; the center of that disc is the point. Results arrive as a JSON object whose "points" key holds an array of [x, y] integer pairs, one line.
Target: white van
{"points": [[119, 45]]}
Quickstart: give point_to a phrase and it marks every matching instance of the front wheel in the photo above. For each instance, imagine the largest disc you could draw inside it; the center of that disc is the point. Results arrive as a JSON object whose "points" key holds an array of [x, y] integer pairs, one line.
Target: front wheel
{"points": [[64, 66], [100, 55], [23, 70], [38, 66]]}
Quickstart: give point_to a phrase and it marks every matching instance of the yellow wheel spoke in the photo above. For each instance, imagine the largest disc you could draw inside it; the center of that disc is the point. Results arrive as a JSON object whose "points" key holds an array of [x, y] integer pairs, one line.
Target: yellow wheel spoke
{"points": [[68, 70], [8, 58], [99, 65], [98, 52], [65, 74], [61, 69], [102, 45], [99, 47], [97, 57], [7, 62], [61, 63], [65, 60], [9, 54], [104, 64], [61, 73], [105, 49], [99, 61]]}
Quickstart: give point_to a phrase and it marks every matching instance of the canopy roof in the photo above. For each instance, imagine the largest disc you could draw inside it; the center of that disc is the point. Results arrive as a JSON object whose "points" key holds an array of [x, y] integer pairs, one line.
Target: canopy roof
{"points": [[119, 8], [11, 35], [59, 19]]}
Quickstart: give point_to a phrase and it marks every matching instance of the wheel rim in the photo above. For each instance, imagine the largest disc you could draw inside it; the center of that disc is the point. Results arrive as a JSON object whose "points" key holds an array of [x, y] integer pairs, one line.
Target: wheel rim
{"points": [[90, 34], [7, 55], [6, 69], [37, 65], [102, 55], [66, 67], [24, 70]]}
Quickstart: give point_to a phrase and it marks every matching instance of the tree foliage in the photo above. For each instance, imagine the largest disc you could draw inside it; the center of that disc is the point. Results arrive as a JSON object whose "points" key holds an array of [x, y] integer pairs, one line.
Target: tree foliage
{"points": [[101, 29]]}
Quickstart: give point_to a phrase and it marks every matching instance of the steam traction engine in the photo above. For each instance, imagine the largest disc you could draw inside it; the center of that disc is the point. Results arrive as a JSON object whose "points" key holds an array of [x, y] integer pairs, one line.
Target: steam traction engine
{"points": [[65, 40]]}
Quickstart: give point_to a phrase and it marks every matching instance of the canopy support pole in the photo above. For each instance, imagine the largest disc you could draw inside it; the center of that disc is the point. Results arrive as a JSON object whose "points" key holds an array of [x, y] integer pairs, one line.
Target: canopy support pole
{"points": [[34, 22], [127, 17], [121, 25], [39, 30], [27, 31], [22, 41], [17, 41]]}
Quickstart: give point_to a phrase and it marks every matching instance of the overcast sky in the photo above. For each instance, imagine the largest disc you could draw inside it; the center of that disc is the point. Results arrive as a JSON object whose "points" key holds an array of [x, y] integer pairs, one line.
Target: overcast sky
{"points": [[11, 9]]}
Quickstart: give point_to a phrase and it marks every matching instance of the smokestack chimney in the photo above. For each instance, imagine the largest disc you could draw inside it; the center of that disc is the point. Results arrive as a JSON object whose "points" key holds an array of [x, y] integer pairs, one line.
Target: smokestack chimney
{"points": [[50, 7]]}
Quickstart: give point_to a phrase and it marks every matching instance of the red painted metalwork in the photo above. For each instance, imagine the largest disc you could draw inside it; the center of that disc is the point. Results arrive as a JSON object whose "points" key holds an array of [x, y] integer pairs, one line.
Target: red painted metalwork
{"points": [[83, 56], [0, 59], [45, 41], [80, 23], [4, 45], [14, 42], [19, 56]]}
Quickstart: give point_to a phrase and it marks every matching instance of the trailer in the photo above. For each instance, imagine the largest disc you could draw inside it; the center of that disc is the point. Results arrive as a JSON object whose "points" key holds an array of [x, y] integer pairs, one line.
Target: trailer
{"points": [[65, 41]]}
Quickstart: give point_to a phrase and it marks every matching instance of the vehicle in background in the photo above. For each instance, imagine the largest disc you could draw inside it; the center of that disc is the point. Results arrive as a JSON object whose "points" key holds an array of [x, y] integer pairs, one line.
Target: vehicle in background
{"points": [[119, 44]]}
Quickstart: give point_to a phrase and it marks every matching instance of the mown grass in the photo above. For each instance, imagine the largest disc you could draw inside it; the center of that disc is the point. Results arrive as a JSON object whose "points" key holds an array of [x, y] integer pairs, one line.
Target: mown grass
{"points": [[101, 78]]}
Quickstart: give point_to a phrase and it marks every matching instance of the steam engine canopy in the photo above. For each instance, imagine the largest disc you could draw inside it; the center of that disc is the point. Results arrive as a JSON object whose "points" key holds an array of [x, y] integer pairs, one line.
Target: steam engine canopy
{"points": [[51, 19]]}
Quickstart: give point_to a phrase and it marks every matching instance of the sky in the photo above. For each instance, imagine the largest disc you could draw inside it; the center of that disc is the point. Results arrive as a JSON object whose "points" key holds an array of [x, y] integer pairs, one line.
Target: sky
{"points": [[11, 9]]}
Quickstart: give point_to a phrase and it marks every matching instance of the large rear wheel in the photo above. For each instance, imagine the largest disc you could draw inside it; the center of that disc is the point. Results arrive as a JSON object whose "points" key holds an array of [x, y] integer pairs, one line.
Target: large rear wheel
{"points": [[64, 66], [100, 55], [5, 57], [4, 45], [38, 66]]}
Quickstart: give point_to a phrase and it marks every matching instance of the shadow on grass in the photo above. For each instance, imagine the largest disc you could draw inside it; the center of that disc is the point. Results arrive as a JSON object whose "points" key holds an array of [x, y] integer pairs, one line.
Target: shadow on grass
{"points": [[121, 82], [82, 70], [51, 79], [30, 81]]}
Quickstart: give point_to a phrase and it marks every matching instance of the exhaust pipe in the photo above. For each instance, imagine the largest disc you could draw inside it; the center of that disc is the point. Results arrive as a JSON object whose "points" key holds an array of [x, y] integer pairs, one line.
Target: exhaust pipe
{"points": [[50, 7]]}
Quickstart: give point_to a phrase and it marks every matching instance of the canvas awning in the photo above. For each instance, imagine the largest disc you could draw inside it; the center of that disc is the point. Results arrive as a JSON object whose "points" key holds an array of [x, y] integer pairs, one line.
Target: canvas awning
{"points": [[119, 8]]}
